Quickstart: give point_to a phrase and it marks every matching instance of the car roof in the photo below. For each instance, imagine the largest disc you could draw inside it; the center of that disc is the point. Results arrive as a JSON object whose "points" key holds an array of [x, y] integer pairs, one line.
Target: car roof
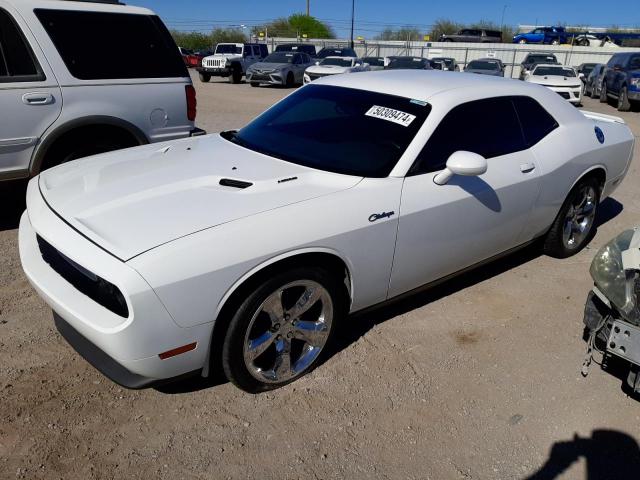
{"points": [[79, 6]]}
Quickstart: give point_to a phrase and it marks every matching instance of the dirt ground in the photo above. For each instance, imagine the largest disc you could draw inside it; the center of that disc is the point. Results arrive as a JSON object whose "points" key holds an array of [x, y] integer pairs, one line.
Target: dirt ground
{"points": [[476, 379]]}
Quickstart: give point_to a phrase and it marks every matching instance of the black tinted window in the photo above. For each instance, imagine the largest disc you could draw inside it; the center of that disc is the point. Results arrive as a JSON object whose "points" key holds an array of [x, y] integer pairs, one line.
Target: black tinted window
{"points": [[98, 45], [536, 122], [488, 127], [17, 62], [354, 132]]}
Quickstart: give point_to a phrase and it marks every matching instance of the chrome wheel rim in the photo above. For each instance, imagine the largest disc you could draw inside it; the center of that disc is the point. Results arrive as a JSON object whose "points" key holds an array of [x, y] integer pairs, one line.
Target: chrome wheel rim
{"points": [[579, 218], [288, 331]]}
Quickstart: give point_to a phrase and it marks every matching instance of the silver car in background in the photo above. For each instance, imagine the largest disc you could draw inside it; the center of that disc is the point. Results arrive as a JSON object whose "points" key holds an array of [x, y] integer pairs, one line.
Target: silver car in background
{"points": [[279, 68]]}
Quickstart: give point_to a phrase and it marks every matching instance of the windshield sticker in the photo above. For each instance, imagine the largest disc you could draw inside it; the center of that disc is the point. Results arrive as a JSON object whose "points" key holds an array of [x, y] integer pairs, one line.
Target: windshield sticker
{"points": [[391, 115], [418, 102]]}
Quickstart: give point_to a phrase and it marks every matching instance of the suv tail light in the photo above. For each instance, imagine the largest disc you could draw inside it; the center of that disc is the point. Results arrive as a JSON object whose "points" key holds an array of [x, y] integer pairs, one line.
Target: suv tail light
{"points": [[191, 102]]}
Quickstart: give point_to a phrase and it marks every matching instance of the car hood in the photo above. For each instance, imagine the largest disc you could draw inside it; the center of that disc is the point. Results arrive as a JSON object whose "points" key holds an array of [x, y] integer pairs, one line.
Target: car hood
{"points": [[268, 66], [328, 69], [133, 200], [555, 81]]}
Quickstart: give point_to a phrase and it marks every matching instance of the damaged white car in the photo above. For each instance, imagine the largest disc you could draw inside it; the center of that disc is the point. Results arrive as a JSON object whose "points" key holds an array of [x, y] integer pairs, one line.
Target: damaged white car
{"points": [[248, 248]]}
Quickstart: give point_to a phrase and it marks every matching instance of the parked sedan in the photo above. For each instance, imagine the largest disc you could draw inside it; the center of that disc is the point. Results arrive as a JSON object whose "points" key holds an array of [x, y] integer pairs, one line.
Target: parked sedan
{"points": [[280, 68], [486, 66], [559, 78], [593, 82], [334, 66], [409, 63], [449, 63], [246, 249]]}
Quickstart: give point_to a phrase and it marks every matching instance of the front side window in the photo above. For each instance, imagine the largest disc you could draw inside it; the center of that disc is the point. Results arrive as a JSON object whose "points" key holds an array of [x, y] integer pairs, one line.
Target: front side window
{"points": [[336, 129], [17, 62], [488, 127], [634, 63], [93, 45]]}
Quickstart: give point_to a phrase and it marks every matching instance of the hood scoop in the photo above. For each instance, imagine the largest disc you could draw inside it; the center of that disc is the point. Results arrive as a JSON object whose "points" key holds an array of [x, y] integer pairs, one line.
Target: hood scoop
{"points": [[230, 182]]}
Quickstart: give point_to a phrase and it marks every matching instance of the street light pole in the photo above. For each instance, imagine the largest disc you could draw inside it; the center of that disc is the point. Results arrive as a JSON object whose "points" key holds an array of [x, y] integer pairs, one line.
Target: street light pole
{"points": [[353, 10], [308, 7], [504, 8]]}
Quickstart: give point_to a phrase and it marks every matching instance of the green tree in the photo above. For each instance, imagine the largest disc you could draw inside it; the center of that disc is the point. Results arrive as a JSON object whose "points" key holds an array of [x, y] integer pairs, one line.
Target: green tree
{"points": [[404, 34], [444, 26], [297, 24], [205, 41]]}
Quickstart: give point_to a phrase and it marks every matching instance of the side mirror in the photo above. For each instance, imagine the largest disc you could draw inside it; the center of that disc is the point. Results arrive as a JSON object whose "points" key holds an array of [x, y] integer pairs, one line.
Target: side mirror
{"points": [[317, 63], [463, 163]]}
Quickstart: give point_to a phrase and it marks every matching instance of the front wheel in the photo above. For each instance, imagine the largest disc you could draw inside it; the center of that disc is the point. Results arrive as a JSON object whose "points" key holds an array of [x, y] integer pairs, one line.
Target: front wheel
{"points": [[280, 331], [624, 105], [290, 81], [236, 74], [204, 77], [603, 93], [574, 226]]}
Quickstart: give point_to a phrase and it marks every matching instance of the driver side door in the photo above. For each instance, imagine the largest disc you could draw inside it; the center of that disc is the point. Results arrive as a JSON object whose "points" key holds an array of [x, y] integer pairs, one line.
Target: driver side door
{"points": [[446, 228]]}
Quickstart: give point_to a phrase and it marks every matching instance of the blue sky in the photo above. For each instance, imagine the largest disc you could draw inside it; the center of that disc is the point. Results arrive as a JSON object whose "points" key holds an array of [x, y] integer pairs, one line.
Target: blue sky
{"points": [[374, 15]]}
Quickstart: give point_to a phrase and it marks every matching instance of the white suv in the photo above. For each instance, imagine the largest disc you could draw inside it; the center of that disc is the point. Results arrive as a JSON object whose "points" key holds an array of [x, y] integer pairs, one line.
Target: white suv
{"points": [[232, 60], [79, 78]]}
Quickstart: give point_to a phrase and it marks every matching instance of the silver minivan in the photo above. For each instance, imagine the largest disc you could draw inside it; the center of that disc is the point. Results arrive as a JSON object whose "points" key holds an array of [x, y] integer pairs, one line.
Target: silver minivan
{"points": [[80, 78]]}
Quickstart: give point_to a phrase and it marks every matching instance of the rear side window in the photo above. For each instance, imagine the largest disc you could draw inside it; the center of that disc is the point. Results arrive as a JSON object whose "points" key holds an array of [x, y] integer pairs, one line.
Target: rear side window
{"points": [[17, 62], [488, 127], [536, 122], [98, 45]]}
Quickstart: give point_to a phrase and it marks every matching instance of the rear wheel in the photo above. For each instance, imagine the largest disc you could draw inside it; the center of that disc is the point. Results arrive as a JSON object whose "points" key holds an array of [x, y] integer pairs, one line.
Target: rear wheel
{"points": [[204, 77], [624, 105], [280, 331], [574, 226]]}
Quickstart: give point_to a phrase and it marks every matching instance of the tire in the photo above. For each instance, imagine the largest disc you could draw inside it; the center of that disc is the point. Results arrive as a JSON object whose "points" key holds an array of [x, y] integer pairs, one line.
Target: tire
{"points": [[255, 84], [593, 94], [290, 82], [236, 74], [603, 93], [274, 336], [624, 105], [574, 227], [204, 77]]}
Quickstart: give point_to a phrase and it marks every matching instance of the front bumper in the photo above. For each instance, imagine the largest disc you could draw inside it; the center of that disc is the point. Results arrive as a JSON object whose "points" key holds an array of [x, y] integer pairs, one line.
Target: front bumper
{"points": [[265, 78], [571, 94], [634, 95], [215, 72], [134, 343]]}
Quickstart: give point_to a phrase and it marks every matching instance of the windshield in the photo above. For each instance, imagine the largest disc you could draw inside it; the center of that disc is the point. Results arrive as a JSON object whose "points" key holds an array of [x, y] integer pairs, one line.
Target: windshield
{"points": [[336, 52], [559, 71], [449, 62], [279, 57], [228, 48], [483, 65], [411, 62], [541, 59], [336, 129], [340, 62]]}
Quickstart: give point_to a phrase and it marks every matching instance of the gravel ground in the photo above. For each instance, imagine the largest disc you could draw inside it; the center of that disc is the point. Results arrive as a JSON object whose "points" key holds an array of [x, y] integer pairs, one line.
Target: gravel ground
{"points": [[476, 379]]}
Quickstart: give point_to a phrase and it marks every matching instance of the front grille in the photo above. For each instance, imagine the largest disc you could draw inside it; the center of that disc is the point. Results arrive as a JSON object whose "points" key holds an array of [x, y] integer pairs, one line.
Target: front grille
{"points": [[315, 76], [86, 282], [564, 95], [215, 62]]}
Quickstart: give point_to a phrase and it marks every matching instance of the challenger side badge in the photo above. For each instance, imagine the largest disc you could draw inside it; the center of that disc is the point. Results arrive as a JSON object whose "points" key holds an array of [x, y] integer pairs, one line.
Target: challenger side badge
{"points": [[378, 216], [599, 134]]}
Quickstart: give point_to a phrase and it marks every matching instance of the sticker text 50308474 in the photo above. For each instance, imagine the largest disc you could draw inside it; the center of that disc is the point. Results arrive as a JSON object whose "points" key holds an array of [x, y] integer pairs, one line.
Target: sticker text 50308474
{"points": [[391, 115]]}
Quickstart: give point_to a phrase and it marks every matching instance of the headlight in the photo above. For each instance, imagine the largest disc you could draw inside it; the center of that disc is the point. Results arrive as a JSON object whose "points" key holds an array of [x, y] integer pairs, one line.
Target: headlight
{"points": [[306, 78], [607, 270], [635, 82]]}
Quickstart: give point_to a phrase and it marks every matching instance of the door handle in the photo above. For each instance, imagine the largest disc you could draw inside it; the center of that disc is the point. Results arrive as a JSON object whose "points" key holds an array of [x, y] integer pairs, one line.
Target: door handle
{"points": [[527, 167], [37, 99]]}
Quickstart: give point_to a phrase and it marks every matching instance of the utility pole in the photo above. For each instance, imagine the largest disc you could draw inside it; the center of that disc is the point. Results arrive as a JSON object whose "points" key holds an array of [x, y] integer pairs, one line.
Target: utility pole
{"points": [[502, 20], [308, 7], [353, 10]]}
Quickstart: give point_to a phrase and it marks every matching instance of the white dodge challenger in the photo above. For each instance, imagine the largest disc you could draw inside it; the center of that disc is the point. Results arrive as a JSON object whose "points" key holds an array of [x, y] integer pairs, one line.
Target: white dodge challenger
{"points": [[248, 248]]}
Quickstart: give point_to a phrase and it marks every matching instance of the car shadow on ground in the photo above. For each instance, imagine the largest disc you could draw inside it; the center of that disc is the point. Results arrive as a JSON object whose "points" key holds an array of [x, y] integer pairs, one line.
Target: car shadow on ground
{"points": [[609, 454], [360, 323], [12, 203]]}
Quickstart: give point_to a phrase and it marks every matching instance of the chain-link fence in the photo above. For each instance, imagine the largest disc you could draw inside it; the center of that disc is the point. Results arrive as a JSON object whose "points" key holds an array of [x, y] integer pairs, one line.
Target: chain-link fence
{"points": [[511, 55]]}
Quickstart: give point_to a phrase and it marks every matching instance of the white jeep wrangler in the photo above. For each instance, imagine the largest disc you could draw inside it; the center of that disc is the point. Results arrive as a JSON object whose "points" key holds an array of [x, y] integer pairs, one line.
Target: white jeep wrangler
{"points": [[231, 60], [84, 77]]}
